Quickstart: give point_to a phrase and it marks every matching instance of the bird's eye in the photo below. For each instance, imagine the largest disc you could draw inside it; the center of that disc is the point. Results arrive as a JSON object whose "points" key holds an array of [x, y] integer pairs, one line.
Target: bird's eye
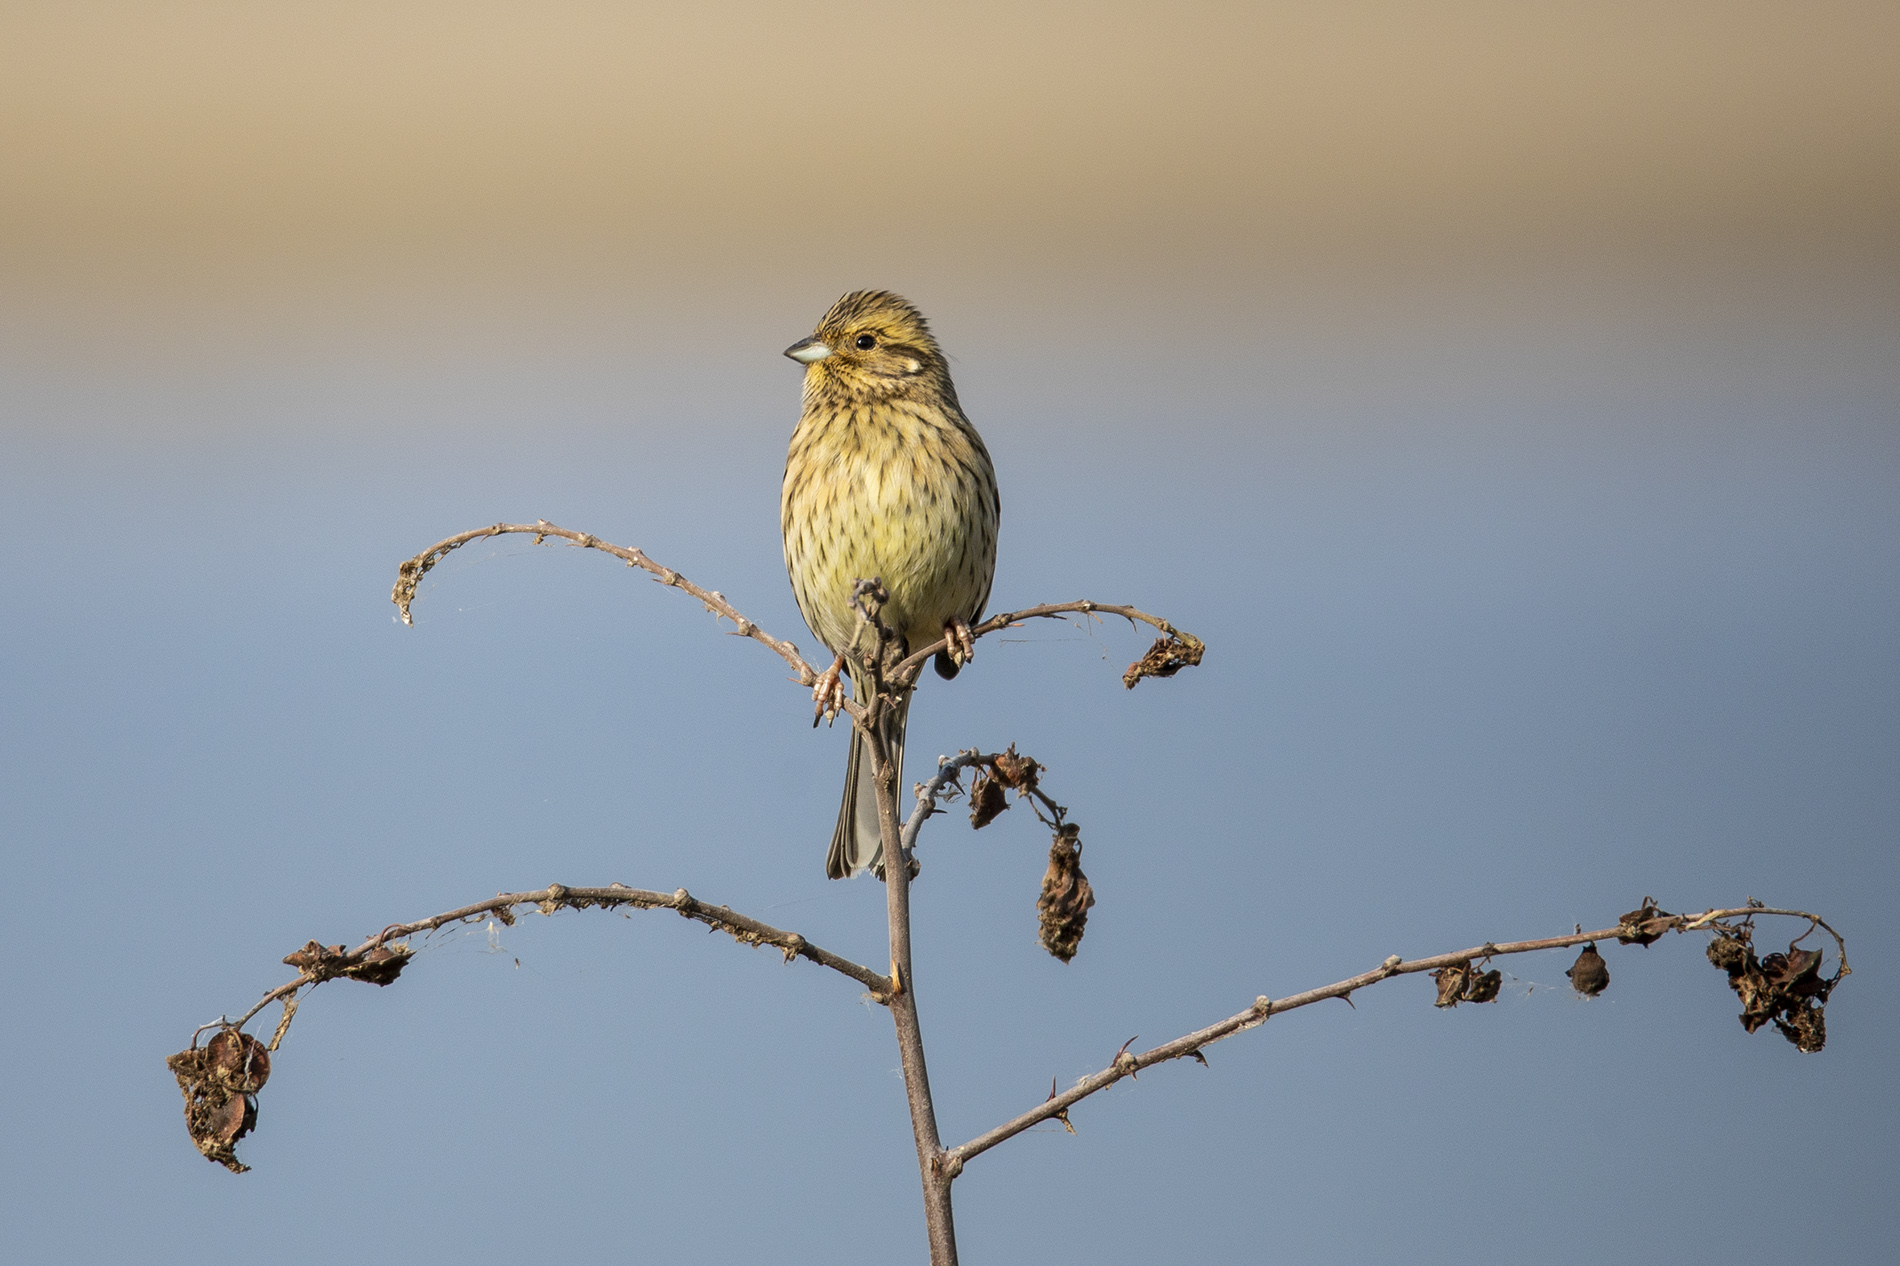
{"points": [[866, 342]]}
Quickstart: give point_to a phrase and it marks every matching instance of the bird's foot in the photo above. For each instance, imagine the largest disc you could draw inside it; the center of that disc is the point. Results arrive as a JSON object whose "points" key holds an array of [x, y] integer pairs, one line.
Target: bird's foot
{"points": [[828, 694], [959, 648]]}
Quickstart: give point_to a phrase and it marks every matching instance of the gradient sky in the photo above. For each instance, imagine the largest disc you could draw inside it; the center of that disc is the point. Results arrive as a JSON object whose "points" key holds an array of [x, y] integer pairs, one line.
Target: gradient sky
{"points": [[1509, 396]]}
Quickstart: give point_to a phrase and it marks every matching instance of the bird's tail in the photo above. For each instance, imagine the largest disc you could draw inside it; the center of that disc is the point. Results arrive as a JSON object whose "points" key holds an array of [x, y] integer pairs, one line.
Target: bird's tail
{"points": [[855, 844]]}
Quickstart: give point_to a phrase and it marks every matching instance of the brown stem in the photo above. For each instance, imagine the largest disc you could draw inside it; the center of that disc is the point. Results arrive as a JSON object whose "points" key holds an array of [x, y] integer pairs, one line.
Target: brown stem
{"points": [[411, 572], [1046, 611], [1127, 1063], [554, 897], [936, 1175]]}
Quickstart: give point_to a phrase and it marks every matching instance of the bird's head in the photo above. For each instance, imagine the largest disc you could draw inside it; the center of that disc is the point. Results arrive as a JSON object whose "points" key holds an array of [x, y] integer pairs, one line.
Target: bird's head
{"points": [[871, 344]]}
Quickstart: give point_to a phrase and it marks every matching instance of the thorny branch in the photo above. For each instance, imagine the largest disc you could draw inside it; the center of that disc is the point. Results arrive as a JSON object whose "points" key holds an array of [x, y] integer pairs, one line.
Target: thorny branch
{"points": [[219, 1080], [947, 783], [1062, 909], [1171, 652], [411, 572], [379, 962], [1127, 1063]]}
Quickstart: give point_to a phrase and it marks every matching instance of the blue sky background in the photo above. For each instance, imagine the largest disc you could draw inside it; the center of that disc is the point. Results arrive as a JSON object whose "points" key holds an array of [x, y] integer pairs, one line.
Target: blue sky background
{"points": [[1539, 572]]}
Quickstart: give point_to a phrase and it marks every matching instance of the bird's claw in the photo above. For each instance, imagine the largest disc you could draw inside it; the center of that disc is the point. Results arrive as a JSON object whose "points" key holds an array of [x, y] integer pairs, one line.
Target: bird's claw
{"points": [[958, 643], [828, 694]]}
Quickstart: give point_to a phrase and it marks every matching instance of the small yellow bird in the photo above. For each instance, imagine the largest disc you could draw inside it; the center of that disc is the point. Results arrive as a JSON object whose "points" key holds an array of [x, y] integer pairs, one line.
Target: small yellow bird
{"points": [[885, 480]]}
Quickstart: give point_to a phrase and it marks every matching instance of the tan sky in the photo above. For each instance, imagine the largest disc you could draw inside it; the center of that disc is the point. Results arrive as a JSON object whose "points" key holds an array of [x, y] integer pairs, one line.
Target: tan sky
{"points": [[265, 137]]}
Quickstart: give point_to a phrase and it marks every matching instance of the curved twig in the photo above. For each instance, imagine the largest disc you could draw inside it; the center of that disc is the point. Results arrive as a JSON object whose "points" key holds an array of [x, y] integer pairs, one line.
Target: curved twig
{"points": [[410, 573], [1175, 650], [746, 930], [1192, 646], [1127, 1063], [927, 793]]}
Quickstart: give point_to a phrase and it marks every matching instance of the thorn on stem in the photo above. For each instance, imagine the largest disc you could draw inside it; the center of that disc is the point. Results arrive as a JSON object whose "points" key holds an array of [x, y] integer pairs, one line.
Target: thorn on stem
{"points": [[1063, 1114]]}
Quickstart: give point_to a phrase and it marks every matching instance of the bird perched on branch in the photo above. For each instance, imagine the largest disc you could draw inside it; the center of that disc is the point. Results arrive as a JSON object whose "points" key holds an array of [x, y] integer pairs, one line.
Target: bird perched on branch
{"points": [[885, 481]]}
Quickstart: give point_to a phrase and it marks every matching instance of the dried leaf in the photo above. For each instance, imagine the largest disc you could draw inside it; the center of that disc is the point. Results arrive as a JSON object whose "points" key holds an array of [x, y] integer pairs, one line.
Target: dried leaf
{"points": [[1168, 656], [219, 1081], [379, 965], [1451, 983], [238, 1061], [987, 800], [1785, 989], [1457, 983], [1063, 908], [1730, 954], [1635, 919], [315, 958], [1806, 1026], [1484, 986], [225, 1125], [1796, 973], [1019, 772]]}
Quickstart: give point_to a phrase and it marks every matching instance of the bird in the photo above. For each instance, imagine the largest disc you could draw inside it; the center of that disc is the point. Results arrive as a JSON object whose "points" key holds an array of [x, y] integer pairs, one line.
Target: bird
{"points": [[886, 480]]}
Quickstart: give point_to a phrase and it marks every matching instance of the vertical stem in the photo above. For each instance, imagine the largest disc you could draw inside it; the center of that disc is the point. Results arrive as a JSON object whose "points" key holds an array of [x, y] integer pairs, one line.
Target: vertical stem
{"points": [[938, 1219]]}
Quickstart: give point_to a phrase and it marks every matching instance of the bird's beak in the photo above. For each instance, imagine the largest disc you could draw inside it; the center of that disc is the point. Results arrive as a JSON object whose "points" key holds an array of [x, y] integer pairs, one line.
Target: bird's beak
{"points": [[807, 351]]}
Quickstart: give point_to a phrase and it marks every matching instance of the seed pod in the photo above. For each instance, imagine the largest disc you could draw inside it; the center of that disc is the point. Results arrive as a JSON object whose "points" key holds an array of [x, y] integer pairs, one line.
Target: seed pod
{"points": [[1589, 975]]}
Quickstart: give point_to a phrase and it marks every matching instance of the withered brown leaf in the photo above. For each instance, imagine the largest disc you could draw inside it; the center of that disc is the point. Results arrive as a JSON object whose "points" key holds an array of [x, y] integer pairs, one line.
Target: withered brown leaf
{"points": [[219, 1081], [1168, 656], [1785, 989], [1635, 919], [987, 800], [1063, 908], [1018, 771], [1458, 983]]}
